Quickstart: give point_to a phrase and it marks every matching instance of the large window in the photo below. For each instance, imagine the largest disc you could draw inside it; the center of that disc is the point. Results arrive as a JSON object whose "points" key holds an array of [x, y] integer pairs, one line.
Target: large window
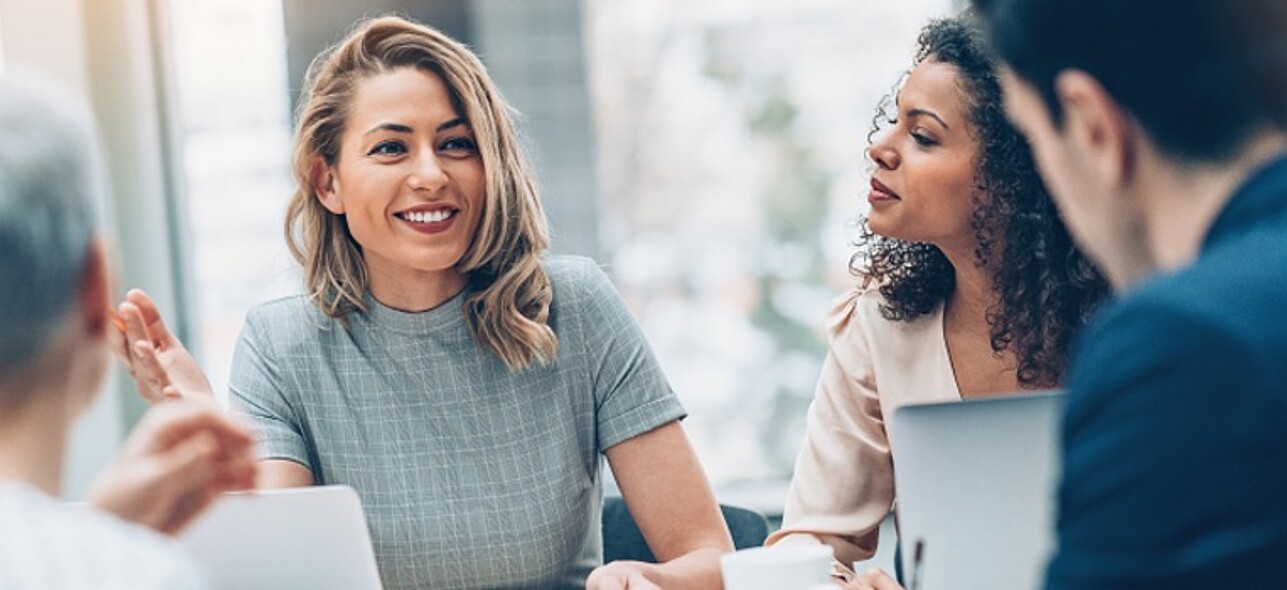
{"points": [[730, 150], [234, 117], [728, 145]]}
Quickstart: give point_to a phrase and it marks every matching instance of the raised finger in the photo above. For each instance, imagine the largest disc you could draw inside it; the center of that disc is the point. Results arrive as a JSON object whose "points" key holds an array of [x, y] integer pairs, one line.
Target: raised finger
{"points": [[151, 317], [135, 326]]}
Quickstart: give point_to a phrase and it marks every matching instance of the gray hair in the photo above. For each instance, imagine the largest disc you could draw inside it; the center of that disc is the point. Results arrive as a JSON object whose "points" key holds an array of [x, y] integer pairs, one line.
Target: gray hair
{"points": [[49, 186]]}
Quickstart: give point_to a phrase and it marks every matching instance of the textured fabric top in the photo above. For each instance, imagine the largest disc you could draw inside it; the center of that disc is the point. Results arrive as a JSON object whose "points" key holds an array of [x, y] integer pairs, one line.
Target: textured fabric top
{"points": [[471, 475], [843, 485]]}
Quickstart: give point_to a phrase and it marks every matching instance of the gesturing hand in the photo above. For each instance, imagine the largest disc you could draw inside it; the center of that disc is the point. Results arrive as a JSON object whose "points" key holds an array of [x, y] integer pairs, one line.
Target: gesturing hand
{"points": [[179, 458], [874, 579], [162, 368]]}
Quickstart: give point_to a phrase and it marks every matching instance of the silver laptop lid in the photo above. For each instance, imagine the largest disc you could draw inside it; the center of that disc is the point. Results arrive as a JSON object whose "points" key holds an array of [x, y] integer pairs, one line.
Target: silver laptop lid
{"points": [[975, 484], [313, 537]]}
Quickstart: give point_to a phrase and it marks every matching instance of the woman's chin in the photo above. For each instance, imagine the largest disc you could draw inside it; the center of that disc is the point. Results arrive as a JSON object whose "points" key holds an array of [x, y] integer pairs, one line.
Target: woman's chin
{"points": [[884, 227]]}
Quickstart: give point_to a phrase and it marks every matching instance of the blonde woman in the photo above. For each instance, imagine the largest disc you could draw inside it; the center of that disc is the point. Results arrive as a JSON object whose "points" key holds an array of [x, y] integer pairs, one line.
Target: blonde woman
{"points": [[464, 384]]}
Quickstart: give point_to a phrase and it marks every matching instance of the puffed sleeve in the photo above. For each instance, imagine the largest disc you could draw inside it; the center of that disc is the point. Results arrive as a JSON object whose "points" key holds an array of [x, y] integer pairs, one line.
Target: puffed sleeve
{"points": [[843, 485]]}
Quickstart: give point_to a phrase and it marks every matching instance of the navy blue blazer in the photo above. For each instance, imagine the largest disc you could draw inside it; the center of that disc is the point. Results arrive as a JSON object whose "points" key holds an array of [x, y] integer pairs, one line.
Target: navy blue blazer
{"points": [[1175, 432]]}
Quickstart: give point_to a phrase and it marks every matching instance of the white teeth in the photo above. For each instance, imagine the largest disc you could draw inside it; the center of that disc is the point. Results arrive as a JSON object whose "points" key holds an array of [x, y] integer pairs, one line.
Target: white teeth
{"points": [[428, 216]]}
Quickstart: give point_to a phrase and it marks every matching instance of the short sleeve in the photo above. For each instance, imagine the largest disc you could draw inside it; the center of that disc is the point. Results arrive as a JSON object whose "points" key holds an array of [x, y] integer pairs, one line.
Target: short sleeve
{"points": [[843, 484], [1172, 452], [631, 393], [256, 389]]}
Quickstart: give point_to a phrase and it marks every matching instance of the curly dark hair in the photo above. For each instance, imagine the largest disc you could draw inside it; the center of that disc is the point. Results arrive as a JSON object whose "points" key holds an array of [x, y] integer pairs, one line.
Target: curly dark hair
{"points": [[1046, 288]]}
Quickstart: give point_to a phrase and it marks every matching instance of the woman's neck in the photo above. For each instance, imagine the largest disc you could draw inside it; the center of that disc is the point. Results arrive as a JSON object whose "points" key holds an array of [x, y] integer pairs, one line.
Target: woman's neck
{"points": [[972, 294], [421, 292], [978, 369]]}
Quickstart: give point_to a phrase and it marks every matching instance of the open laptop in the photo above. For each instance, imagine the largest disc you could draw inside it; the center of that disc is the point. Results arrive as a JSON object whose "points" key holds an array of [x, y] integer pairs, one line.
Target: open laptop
{"points": [[294, 538], [976, 483]]}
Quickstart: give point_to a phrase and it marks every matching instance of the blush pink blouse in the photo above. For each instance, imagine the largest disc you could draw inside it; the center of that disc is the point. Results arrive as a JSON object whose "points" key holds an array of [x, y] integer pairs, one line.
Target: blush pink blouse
{"points": [[843, 486]]}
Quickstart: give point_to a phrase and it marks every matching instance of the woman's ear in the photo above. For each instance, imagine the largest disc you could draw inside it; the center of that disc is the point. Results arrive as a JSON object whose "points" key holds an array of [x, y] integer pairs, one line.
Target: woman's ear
{"points": [[326, 185]]}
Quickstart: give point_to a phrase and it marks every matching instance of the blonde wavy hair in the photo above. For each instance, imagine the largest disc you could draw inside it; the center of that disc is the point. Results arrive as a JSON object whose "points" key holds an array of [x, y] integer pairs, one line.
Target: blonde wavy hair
{"points": [[508, 301]]}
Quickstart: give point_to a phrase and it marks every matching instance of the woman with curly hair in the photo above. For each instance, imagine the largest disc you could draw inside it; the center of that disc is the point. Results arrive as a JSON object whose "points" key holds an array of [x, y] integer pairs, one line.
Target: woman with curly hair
{"points": [[969, 286], [463, 382]]}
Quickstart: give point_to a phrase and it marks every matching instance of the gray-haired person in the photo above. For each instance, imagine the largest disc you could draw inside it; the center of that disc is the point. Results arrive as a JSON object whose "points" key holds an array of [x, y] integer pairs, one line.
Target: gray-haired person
{"points": [[54, 290]]}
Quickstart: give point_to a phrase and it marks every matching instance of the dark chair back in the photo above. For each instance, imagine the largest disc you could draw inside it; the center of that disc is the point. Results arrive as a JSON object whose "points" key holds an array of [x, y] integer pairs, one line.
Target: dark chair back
{"points": [[622, 539]]}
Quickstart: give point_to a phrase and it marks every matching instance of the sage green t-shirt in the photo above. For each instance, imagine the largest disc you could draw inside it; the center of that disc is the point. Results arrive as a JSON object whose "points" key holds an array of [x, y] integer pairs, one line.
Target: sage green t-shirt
{"points": [[471, 475]]}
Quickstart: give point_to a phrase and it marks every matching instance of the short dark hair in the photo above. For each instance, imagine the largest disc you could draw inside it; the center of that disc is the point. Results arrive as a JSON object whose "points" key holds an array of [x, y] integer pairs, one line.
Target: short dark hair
{"points": [[1200, 76]]}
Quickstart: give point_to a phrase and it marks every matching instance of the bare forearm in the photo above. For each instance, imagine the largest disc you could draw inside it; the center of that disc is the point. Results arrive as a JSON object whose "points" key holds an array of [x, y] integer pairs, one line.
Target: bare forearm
{"points": [[696, 570]]}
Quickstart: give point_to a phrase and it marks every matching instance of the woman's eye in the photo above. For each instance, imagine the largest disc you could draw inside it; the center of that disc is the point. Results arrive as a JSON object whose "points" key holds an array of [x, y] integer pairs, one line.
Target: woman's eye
{"points": [[923, 140], [459, 145], [388, 148]]}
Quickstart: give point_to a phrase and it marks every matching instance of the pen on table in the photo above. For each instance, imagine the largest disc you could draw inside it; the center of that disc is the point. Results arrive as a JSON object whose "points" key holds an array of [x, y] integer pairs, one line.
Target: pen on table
{"points": [[918, 559]]}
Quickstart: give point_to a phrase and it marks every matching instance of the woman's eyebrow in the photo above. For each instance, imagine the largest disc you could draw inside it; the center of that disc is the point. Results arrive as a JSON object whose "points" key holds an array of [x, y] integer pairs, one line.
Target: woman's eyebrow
{"points": [[923, 112], [452, 123], [394, 127], [400, 128]]}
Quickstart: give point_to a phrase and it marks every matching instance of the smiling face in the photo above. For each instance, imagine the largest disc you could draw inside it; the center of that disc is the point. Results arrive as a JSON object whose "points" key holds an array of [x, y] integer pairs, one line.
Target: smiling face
{"points": [[923, 186], [409, 181]]}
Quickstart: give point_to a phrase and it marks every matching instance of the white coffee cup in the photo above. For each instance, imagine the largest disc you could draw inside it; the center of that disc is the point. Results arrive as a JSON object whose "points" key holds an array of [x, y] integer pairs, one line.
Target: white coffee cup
{"points": [[777, 568]]}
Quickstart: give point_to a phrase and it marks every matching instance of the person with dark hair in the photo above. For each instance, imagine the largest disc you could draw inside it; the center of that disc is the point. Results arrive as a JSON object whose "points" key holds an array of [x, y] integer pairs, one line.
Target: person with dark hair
{"points": [[969, 286], [1161, 128]]}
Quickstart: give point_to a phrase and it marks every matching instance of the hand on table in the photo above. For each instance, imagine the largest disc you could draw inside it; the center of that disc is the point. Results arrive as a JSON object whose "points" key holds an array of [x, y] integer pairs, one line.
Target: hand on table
{"points": [[620, 575], [873, 579], [179, 458], [162, 368]]}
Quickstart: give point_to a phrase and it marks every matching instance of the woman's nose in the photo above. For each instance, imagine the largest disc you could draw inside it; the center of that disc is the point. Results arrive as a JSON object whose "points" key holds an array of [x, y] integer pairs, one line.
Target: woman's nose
{"points": [[882, 153], [428, 174]]}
